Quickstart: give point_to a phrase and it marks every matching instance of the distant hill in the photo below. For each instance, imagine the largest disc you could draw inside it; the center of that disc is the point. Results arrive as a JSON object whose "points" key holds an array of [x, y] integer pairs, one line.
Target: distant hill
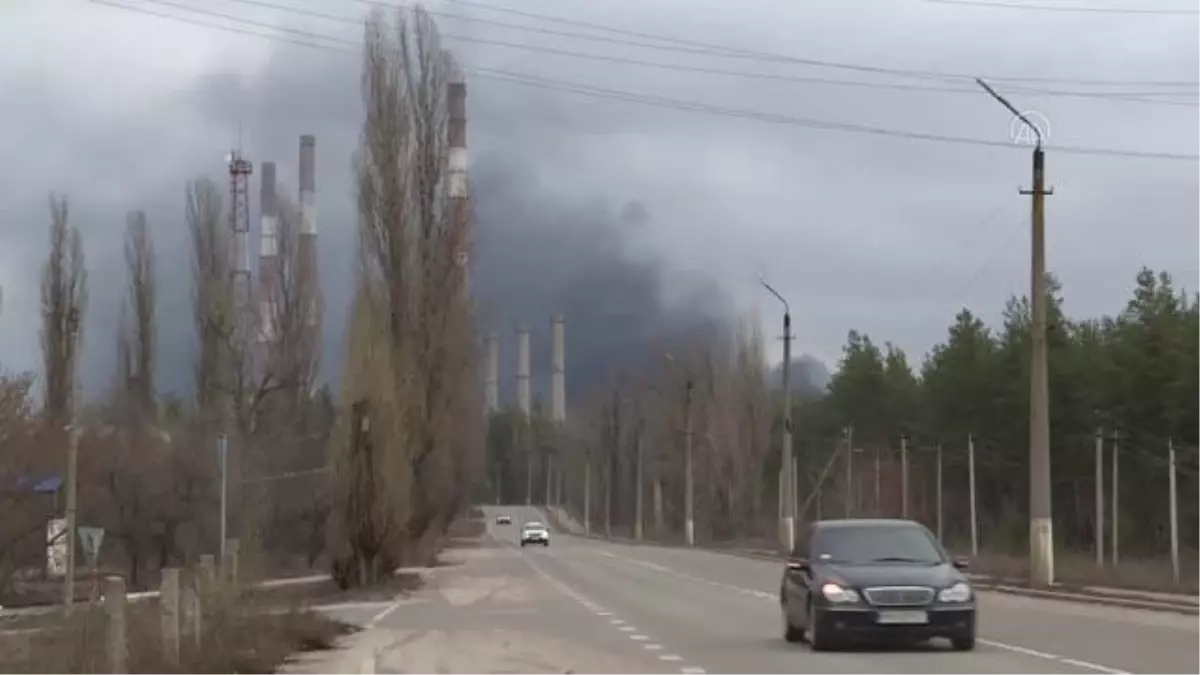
{"points": [[809, 376]]}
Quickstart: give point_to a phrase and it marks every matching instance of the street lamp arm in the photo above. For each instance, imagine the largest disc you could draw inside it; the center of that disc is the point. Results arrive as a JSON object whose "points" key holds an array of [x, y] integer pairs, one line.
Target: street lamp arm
{"points": [[786, 307], [1019, 115]]}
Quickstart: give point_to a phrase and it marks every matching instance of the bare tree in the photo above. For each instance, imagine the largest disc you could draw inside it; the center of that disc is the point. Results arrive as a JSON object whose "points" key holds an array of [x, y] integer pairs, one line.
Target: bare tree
{"points": [[212, 297], [64, 300], [410, 242], [143, 333]]}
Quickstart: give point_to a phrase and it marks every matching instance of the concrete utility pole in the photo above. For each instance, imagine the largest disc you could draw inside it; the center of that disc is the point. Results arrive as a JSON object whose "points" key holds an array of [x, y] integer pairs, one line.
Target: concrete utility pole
{"points": [[1174, 511], [939, 492], [613, 448], [1099, 497], [903, 476], [558, 369], [787, 524], [73, 432], [223, 460], [1115, 542], [587, 492], [1041, 533], [639, 450], [689, 514], [878, 504], [849, 470], [971, 493]]}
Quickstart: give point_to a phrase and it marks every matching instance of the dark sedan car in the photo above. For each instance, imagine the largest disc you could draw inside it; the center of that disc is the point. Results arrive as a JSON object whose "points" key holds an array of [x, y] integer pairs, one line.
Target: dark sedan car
{"points": [[860, 579]]}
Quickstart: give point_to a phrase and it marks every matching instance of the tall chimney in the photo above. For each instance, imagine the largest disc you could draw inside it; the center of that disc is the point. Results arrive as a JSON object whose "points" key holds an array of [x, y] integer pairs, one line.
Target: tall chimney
{"points": [[558, 392], [308, 185], [523, 370], [268, 257], [492, 375], [306, 256], [456, 173]]}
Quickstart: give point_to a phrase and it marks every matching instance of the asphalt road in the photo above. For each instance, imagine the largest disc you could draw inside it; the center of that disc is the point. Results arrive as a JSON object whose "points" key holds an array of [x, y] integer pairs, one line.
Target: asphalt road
{"points": [[628, 608]]}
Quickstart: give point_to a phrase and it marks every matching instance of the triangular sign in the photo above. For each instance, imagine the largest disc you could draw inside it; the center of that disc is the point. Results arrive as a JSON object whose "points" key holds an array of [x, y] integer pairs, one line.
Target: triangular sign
{"points": [[91, 538]]}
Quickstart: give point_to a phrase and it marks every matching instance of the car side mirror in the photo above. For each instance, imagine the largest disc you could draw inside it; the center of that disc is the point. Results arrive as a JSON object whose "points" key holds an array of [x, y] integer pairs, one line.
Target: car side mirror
{"points": [[960, 563], [797, 565]]}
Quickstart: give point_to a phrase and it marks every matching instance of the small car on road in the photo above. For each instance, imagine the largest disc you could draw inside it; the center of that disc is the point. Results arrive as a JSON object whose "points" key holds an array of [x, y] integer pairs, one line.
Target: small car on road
{"points": [[874, 580], [504, 520], [535, 532]]}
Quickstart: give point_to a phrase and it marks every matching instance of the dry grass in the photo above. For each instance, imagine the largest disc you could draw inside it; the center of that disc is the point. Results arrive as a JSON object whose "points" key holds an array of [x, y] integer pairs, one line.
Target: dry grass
{"points": [[241, 634]]}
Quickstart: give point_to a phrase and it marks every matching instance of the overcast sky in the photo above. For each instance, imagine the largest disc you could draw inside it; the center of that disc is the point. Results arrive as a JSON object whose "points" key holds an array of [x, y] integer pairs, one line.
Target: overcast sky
{"points": [[638, 221]]}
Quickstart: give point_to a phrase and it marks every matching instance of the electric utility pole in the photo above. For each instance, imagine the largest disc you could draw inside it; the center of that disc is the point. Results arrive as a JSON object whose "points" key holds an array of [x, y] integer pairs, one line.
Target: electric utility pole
{"points": [[787, 524], [1041, 534]]}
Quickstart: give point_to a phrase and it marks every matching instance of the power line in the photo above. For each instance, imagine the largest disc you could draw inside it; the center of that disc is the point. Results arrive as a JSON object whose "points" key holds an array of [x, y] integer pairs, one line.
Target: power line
{"points": [[996, 4], [1134, 97], [711, 49], [707, 49], [648, 99]]}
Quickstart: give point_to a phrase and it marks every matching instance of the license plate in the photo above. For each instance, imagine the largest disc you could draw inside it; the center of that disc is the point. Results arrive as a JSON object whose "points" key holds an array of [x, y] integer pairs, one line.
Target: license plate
{"points": [[903, 617]]}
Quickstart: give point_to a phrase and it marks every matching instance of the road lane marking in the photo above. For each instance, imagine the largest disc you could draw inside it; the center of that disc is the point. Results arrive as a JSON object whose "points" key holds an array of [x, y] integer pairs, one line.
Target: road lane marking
{"points": [[618, 623], [1052, 657], [1096, 667]]}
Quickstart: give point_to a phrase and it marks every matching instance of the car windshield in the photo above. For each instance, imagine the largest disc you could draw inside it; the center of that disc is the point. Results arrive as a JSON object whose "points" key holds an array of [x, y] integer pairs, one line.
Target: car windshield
{"points": [[870, 544], [533, 526]]}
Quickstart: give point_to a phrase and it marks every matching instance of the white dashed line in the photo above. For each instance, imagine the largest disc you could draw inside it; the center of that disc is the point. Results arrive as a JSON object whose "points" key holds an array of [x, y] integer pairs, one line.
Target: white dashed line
{"points": [[650, 646], [616, 622], [1096, 667], [670, 657], [692, 670], [626, 629], [639, 637], [1052, 657], [603, 613]]}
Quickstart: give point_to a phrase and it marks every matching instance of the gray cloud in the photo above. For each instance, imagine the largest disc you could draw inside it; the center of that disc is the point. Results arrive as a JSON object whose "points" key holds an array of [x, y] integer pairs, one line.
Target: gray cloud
{"points": [[885, 235]]}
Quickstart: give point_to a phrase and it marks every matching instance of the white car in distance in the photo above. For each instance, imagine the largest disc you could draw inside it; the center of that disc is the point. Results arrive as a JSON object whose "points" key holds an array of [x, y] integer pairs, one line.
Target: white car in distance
{"points": [[534, 532]]}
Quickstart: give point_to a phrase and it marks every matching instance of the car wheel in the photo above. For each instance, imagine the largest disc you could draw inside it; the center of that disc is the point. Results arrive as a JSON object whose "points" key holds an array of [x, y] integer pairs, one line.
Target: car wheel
{"points": [[522, 544], [963, 643], [546, 544], [790, 632], [817, 639]]}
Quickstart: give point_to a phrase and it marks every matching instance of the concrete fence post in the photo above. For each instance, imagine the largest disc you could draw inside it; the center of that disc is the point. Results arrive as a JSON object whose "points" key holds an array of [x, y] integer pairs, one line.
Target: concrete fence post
{"points": [[208, 575], [229, 562], [192, 614], [116, 644], [168, 599]]}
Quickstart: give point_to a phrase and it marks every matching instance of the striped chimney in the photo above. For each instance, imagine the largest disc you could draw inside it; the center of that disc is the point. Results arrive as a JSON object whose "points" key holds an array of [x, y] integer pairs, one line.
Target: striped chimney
{"points": [[458, 187], [268, 253], [307, 240]]}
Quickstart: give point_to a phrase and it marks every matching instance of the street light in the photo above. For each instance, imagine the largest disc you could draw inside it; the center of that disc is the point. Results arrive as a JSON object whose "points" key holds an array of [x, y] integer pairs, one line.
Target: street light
{"points": [[787, 521], [1041, 535], [689, 520]]}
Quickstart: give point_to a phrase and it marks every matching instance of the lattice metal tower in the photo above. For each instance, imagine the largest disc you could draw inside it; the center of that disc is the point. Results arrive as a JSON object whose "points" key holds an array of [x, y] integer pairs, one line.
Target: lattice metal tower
{"points": [[239, 221]]}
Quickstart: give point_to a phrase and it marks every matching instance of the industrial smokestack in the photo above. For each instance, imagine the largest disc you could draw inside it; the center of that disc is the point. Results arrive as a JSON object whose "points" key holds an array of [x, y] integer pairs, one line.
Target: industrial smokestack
{"points": [[492, 375], [308, 185], [456, 172], [269, 207], [558, 392], [268, 256], [523, 371]]}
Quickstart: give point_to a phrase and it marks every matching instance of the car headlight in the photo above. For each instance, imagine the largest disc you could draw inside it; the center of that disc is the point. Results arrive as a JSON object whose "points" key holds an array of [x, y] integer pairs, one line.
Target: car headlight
{"points": [[839, 595], [959, 592]]}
